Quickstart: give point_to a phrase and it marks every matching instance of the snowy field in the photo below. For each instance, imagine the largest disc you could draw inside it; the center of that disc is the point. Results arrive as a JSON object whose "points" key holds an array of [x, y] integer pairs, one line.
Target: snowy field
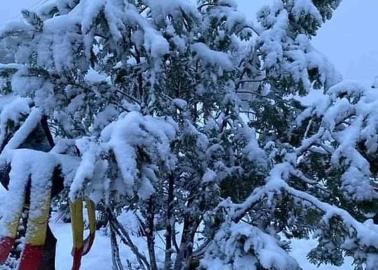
{"points": [[100, 256]]}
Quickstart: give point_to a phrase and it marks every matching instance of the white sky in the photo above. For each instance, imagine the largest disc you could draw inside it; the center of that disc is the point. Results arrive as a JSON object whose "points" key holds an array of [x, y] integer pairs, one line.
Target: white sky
{"points": [[349, 40]]}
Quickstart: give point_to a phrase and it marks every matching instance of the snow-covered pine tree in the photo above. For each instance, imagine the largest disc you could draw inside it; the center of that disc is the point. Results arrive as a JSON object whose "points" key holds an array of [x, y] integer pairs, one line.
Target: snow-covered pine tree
{"points": [[150, 62], [146, 101], [342, 137], [287, 68]]}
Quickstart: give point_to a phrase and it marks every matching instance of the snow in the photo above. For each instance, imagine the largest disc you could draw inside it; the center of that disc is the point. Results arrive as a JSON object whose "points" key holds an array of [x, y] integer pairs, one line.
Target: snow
{"points": [[290, 54], [94, 77], [124, 143], [240, 244], [360, 64], [306, 7], [252, 150], [99, 257], [124, 139], [12, 110], [211, 57], [209, 176], [162, 8], [86, 169], [135, 152], [301, 248], [273, 37], [24, 131], [352, 103], [351, 88]]}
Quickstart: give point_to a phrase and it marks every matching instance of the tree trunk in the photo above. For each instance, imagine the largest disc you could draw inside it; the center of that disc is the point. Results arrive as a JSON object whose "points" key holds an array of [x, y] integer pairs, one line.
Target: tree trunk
{"points": [[150, 233], [169, 229], [185, 252]]}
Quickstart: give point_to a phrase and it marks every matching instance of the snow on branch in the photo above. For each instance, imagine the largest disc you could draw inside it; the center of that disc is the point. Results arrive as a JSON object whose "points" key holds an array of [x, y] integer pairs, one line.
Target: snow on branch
{"points": [[348, 120], [138, 145], [242, 246], [362, 235]]}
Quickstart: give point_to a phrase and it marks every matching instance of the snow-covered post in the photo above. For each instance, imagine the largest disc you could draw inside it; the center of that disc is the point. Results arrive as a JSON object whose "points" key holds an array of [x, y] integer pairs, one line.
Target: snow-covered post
{"points": [[25, 139]]}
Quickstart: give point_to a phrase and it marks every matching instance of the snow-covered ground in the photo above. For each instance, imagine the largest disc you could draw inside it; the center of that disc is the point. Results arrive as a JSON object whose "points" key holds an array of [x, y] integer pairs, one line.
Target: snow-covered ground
{"points": [[100, 256]]}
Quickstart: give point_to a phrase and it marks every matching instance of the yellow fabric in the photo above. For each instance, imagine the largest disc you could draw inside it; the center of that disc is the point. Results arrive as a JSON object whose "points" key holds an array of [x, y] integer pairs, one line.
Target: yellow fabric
{"points": [[37, 221], [77, 223], [12, 226], [37, 224], [91, 216]]}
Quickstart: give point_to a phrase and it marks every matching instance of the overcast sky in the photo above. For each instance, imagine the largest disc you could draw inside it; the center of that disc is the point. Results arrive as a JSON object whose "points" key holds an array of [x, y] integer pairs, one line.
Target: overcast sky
{"points": [[349, 40]]}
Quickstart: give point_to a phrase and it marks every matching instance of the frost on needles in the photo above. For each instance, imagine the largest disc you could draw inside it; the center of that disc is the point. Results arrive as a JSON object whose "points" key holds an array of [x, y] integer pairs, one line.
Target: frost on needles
{"points": [[228, 138]]}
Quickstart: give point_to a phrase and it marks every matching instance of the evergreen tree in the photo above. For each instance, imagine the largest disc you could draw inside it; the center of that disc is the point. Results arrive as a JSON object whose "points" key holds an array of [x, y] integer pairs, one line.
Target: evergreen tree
{"points": [[195, 121]]}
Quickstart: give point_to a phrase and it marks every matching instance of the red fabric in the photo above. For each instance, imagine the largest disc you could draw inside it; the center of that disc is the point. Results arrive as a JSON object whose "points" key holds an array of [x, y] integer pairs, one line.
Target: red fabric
{"points": [[88, 244], [6, 245], [31, 257], [77, 253]]}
